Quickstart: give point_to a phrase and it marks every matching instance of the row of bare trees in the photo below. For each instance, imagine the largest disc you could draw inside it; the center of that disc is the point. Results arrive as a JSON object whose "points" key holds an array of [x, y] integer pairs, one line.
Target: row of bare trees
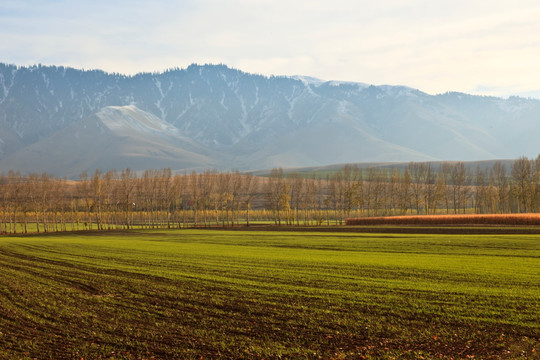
{"points": [[419, 188], [112, 200], [159, 198]]}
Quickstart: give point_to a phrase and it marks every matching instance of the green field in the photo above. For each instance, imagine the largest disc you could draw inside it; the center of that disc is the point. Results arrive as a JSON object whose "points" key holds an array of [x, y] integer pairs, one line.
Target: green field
{"points": [[192, 294]]}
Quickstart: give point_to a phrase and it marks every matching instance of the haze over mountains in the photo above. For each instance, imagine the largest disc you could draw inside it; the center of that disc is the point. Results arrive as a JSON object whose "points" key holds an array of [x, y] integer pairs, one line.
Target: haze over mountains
{"points": [[64, 121]]}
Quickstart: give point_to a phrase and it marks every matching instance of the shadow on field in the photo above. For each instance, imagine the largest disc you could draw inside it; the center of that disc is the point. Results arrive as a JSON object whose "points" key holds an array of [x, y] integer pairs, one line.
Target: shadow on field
{"points": [[403, 229]]}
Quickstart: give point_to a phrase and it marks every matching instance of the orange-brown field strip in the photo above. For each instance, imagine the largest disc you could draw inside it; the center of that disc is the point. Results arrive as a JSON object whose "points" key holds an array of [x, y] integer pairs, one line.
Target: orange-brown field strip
{"points": [[472, 219]]}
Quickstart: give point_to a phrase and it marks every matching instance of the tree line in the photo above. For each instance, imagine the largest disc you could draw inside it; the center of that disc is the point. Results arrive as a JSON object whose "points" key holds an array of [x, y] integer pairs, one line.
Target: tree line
{"points": [[161, 199]]}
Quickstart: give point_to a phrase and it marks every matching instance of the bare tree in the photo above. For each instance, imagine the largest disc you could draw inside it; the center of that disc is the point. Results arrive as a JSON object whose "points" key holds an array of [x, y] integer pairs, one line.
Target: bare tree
{"points": [[418, 177], [405, 186], [277, 194], [499, 179], [296, 194], [126, 195], [536, 185], [460, 186], [250, 188], [310, 199], [235, 191], [522, 182]]}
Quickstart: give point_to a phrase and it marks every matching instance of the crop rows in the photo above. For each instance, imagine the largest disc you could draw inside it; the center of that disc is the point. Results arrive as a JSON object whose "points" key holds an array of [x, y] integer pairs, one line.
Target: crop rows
{"points": [[192, 294]]}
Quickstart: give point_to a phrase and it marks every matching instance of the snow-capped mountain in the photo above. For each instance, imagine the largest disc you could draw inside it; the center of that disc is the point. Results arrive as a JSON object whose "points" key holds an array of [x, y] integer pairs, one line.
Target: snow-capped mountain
{"points": [[238, 120]]}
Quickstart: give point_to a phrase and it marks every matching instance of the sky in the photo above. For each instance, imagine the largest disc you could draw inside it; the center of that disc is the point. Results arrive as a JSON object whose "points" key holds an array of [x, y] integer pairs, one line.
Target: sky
{"points": [[473, 46]]}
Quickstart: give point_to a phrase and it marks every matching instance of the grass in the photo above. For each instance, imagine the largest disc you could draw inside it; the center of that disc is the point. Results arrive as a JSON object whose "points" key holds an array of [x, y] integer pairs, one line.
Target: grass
{"points": [[194, 294]]}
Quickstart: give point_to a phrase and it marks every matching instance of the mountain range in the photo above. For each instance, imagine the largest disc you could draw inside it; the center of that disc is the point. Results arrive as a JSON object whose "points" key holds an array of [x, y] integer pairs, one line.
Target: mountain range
{"points": [[64, 121]]}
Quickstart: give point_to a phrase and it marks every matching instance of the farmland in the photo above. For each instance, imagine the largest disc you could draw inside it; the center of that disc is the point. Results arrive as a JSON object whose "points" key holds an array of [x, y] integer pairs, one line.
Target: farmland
{"points": [[195, 294], [441, 220]]}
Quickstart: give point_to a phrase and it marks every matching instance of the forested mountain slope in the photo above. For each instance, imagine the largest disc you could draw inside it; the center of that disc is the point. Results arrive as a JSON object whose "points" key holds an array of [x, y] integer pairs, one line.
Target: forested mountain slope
{"points": [[253, 121]]}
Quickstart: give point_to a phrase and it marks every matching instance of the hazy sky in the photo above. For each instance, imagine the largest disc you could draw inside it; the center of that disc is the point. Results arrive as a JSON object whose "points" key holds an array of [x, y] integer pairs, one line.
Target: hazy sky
{"points": [[476, 46]]}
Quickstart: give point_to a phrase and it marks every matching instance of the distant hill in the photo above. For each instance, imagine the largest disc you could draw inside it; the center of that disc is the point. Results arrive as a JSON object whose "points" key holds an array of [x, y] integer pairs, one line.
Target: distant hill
{"points": [[215, 116], [113, 138], [323, 171]]}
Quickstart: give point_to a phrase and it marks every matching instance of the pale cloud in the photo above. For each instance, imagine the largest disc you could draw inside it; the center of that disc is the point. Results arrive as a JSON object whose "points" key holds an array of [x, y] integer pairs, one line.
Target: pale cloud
{"points": [[435, 46]]}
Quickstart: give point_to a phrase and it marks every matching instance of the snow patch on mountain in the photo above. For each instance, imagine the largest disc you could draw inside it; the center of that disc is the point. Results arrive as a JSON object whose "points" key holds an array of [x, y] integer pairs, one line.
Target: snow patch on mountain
{"points": [[358, 85], [246, 127], [160, 99], [222, 101], [308, 80], [6, 87], [399, 91], [256, 97], [47, 83], [514, 105], [342, 107], [127, 119]]}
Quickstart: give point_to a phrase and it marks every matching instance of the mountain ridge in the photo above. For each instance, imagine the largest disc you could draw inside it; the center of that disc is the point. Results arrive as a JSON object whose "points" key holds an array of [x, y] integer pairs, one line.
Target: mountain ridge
{"points": [[249, 121]]}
